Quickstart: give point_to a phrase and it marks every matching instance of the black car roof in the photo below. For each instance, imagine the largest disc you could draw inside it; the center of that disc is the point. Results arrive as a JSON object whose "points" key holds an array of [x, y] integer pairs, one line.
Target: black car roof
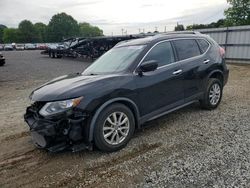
{"points": [[159, 37]]}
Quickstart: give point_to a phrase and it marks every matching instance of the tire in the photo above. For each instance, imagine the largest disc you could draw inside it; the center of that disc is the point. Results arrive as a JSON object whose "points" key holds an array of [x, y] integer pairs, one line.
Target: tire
{"points": [[207, 102], [103, 122]]}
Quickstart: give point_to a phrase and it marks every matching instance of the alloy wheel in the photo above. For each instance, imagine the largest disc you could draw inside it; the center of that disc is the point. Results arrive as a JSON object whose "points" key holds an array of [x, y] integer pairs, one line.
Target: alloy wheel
{"points": [[214, 94], [116, 128]]}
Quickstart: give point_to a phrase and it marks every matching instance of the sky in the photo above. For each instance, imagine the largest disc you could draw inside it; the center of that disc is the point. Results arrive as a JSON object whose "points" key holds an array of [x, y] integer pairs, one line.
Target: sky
{"points": [[116, 16]]}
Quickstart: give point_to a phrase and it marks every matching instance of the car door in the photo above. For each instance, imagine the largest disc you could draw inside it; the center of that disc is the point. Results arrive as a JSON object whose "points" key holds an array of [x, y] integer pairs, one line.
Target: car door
{"points": [[188, 52], [161, 89]]}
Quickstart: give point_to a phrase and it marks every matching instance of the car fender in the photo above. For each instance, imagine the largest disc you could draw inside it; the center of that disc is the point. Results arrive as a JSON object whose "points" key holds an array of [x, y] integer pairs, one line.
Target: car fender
{"points": [[214, 71], [104, 105]]}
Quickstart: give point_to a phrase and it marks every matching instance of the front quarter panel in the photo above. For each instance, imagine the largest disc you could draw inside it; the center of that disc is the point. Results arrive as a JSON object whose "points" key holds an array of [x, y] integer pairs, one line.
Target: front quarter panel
{"points": [[98, 93]]}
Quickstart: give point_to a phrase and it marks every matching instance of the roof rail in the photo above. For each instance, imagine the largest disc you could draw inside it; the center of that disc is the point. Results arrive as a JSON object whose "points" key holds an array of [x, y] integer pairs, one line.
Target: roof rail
{"points": [[181, 32]]}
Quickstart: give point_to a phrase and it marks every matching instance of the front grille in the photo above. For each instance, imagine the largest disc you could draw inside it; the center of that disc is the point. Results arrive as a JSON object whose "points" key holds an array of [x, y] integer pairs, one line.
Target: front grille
{"points": [[35, 108]]}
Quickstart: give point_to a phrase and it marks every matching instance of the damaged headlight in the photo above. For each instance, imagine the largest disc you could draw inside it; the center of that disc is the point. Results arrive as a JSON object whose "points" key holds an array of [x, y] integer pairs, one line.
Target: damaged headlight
{"points": [[52, 108]]}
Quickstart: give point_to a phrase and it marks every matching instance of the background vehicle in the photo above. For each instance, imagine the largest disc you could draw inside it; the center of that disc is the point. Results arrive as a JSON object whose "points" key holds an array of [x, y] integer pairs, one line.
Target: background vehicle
{"points": [[91, 48], [30, 46], [41, 46], [2, 59], [8, 47], [110, 99], [1, 47], [20, 47]]}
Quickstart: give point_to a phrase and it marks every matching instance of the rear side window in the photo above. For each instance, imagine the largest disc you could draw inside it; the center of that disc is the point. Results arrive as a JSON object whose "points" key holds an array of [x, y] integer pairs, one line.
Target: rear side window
{"points": [[186, 48], [162, 53], [203, 45]]}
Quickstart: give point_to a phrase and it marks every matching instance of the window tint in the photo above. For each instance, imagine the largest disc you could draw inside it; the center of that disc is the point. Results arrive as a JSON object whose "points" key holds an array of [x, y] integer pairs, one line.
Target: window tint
{"points": [[163, 53], [203, 45], [186, 48]]}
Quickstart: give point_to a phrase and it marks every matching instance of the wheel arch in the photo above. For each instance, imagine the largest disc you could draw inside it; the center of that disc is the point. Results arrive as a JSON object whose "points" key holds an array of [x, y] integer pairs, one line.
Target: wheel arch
{"points": [[127, 102], [216, 74]]}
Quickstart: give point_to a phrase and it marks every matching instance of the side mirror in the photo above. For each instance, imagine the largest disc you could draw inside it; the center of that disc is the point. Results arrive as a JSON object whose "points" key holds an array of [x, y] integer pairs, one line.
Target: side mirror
{"points": [[147, 66]]}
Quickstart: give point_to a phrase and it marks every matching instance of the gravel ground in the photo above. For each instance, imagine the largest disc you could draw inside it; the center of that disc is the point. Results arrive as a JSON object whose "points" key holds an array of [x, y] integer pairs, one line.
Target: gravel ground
{"points": [[188, 148]]}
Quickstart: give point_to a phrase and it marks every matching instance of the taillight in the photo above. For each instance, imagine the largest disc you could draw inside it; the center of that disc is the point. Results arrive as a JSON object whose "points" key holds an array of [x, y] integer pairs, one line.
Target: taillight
{"points": [[222, 52]]}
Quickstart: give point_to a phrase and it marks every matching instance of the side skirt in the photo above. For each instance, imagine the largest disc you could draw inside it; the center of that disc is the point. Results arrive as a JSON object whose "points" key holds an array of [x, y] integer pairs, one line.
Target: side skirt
{"points": [[151, 116]]}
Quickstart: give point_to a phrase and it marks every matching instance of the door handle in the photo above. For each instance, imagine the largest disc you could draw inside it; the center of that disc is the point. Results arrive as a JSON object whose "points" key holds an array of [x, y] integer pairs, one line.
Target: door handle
{"points": [[177, 72], [206, 61]]}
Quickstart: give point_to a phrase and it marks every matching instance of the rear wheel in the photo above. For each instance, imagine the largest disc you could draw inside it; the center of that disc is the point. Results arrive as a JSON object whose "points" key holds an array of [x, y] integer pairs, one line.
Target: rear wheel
{"points": [[114, 128], [213, 94]]}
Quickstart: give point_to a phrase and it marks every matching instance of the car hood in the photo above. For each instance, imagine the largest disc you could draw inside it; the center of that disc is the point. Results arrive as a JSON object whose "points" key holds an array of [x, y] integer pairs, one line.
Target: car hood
{"points": [[70, 86]]}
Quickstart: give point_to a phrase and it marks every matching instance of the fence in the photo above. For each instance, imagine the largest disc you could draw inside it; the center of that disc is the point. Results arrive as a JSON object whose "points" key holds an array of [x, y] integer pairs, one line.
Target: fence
{"points": [[235, 40]]}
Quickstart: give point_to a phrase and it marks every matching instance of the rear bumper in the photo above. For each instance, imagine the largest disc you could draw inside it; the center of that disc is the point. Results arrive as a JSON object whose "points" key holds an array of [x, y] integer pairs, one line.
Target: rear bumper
{"points": [[60, 133]]}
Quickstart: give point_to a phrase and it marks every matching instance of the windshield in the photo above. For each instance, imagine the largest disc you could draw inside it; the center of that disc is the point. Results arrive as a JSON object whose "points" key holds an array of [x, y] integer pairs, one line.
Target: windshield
{"points": [[115, 60]]}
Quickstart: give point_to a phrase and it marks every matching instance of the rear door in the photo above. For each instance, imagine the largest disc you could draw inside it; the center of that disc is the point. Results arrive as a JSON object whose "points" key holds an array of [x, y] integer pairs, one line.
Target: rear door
{"points": [[189, 53]]}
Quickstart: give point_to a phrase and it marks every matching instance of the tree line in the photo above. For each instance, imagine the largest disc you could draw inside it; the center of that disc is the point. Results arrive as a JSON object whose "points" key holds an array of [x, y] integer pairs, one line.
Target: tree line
{"points": [[237, 14], [61, 26]]}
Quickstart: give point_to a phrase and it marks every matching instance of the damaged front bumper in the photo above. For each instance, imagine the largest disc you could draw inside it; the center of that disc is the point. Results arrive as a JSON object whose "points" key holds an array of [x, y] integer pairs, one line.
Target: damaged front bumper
{"points": [[65, 131]]}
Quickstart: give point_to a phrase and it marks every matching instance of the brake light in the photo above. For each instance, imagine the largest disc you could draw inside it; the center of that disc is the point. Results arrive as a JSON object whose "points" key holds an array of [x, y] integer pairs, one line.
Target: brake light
{"points": [[222, 52]]}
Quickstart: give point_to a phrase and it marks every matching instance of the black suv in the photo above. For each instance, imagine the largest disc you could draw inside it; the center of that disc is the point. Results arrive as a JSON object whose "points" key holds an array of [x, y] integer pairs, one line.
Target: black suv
{"points": [[136, 81]]}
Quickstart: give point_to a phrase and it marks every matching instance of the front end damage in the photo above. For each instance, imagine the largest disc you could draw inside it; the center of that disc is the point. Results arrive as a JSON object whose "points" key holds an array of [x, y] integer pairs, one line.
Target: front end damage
{"points": [[65, 131]]}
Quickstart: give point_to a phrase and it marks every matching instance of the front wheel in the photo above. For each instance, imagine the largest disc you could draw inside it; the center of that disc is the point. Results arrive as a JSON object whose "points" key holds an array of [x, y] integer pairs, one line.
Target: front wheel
{"points": [[213, 94], [114, 128]]}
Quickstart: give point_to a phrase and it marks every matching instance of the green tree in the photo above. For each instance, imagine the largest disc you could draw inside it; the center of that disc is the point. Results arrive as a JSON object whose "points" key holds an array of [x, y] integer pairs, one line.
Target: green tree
{"points": [[2, 27], [11, 35], [62, 26], [238, 13], [87, 30], [40, 29], [27, 32], [219, 23], [179, 27]]}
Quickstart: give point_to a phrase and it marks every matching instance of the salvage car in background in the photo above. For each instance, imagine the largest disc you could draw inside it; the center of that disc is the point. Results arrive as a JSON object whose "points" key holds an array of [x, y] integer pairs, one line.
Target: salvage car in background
{"points": [[2, 59], [30, 46], [20, 47], [91, 48], [8, 47], [134, 82], [1, 47], [41, 46]]}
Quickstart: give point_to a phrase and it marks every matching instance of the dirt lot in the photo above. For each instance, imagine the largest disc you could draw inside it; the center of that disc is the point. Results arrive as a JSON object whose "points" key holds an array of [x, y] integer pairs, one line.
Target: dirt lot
{"points": [[187, 148]]}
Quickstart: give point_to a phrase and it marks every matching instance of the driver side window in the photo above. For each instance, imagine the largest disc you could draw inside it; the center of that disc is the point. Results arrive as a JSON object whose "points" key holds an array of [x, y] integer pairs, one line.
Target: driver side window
{"points": [[162, 53]]}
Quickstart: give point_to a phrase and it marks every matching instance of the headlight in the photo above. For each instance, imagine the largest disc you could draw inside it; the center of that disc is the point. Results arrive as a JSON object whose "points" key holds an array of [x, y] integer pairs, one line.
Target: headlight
{"points": [[51, 108]]}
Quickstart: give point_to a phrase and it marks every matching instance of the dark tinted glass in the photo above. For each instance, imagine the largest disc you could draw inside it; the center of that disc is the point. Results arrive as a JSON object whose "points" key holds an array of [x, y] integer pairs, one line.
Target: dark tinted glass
{"points": [[186, 48], [162, 53], [203, 45]]}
